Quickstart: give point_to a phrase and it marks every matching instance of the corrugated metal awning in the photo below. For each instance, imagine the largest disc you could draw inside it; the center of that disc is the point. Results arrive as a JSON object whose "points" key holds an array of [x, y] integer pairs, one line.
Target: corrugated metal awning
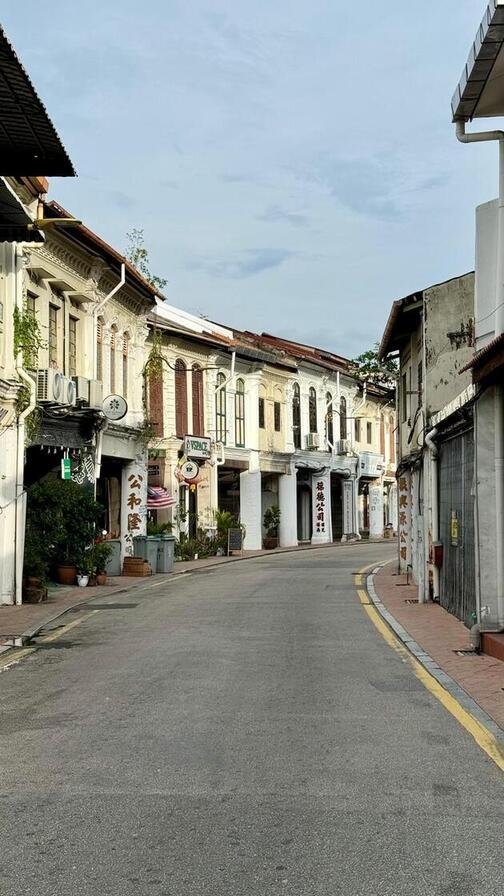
{"points": [[480, 91], [29, 144], [15, 218]]}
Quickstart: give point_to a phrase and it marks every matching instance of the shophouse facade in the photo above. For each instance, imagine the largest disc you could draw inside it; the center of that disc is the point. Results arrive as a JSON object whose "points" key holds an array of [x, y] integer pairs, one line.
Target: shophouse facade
{"points": [[278, 422], [29, 146], [432, 331], [91, 307]]}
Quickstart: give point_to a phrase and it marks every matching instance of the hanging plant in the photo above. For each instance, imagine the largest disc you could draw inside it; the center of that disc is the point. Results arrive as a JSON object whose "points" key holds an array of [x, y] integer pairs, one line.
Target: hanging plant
{"points": [[27, 337]]}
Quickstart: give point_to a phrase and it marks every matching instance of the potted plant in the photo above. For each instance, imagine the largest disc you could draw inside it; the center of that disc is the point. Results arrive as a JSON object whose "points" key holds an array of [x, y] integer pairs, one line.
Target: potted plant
{"points": [[271, 521], [100, 553], [62, 516]]}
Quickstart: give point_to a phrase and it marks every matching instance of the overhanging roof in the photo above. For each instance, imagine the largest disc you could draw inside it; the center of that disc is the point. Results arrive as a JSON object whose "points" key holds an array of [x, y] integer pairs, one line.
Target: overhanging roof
{"points": [[399, 327], [15, 219], [29, 144], [480, 91]]}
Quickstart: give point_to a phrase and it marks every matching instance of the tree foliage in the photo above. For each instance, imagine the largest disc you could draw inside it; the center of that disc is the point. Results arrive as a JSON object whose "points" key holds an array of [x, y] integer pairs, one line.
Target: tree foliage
{"points": [[368, 368], [138, 255]]}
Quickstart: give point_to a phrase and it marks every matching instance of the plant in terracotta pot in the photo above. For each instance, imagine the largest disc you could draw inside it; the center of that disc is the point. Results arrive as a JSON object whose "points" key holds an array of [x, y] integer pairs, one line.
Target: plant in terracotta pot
{"points": [[271, 521], [101, 552], [62, 515]]}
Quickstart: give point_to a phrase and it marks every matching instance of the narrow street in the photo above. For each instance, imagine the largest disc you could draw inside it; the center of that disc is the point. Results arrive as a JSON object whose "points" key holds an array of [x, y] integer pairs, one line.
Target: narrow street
{"points": [[242, 731]]}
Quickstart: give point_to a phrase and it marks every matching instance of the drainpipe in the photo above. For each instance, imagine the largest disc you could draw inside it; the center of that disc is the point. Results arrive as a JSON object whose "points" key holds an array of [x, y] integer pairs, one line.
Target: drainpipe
{"points": [[433, 466], [17, 258], [498, 389]]}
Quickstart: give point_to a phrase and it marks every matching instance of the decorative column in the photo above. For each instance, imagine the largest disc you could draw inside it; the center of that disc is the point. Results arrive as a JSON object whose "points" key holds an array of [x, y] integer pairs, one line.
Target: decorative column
{"points": [[349, 510], [321, 507], [287, 500], [375, 510], [250, 509], [133, 503], [392, 505]]}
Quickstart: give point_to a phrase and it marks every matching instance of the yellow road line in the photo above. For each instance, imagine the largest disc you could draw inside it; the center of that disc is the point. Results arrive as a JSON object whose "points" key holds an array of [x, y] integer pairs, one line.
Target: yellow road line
{"points": [[481, 735], [12, 659]]}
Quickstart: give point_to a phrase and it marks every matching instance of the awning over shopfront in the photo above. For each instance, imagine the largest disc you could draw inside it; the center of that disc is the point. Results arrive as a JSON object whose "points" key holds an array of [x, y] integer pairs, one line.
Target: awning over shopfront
{"points": [[158, 498], [15, 219], [29, 144]]}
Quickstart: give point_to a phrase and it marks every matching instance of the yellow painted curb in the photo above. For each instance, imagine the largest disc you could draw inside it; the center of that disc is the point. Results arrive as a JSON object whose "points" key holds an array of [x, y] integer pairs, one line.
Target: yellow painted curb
{"points": [[484, 738]]}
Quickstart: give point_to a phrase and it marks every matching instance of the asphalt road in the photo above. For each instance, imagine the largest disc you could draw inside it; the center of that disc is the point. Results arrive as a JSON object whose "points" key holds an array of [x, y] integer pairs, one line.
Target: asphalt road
{"points": [[242, 731]]}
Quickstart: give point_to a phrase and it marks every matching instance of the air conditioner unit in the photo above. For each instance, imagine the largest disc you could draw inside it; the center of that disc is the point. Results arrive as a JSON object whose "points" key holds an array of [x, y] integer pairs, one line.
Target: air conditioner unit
{"points": [[342, 446], [81, 388], [53, 387], [95, 394], [312, 440], [69, 392]]}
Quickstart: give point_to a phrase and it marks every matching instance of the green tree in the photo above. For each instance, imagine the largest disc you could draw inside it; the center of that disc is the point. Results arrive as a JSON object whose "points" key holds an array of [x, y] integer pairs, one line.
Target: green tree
{"points": [[368, 367], [138, 255]]}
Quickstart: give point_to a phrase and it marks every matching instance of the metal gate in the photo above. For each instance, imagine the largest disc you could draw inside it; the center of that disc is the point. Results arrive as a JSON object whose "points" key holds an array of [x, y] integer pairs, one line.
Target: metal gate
{"points": [[456, 524]]}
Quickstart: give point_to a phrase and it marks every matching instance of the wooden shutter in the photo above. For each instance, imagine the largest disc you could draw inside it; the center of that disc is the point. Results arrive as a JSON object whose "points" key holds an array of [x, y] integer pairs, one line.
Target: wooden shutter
{"points": [[197, 401], [180, 398]]}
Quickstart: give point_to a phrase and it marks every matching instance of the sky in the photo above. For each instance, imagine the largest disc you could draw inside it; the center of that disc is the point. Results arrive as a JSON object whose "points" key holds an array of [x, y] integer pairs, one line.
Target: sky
{"points": [[292, 163]]}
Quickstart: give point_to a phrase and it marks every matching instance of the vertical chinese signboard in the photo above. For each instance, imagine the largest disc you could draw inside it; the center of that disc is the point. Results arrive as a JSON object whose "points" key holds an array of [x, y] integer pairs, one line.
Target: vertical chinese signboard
{"points": [[404, 521]]}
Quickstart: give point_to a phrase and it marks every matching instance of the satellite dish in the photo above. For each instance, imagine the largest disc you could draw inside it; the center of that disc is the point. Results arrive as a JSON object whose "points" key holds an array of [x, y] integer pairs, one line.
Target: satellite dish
{"points": [[115, 407]]}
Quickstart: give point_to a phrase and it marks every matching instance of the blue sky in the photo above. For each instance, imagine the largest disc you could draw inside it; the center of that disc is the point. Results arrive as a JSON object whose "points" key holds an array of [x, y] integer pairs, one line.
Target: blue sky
{"points": [[292, 163]]}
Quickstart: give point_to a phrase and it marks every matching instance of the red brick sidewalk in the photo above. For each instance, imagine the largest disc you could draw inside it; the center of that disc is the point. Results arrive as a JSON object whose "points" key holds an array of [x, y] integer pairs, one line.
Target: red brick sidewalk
{"points": [[440, 634]]}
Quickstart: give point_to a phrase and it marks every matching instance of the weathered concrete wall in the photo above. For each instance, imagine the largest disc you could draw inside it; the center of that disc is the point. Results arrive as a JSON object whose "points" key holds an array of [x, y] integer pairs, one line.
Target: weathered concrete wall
{"points": [[449, 316]]}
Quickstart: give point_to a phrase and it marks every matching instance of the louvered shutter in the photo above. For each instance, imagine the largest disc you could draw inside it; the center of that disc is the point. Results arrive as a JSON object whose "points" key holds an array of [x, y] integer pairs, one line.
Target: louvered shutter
{"points": [[180, 398], [197, 401]]}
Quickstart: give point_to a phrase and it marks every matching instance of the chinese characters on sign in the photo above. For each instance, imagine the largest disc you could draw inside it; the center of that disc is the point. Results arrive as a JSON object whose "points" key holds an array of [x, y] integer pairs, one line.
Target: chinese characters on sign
{"points": [[134, 501], [403, 518], [320, 506]]}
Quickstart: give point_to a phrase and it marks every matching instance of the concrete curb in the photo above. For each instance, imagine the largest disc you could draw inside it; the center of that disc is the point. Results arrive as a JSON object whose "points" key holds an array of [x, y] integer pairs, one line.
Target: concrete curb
{"points": [[445, 680]]}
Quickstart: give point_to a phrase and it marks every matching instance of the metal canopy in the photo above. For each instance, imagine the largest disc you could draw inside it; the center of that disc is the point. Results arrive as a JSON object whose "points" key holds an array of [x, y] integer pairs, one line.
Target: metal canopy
{"points": [[29, 144], [14, 218], [480, 91]]}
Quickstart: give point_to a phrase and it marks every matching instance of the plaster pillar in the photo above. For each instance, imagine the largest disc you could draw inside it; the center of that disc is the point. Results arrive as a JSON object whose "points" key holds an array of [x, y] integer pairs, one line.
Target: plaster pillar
{"points": [[375, 510], [250, 509], [8, 454], [287, 500], [349, 510], [133, 503], [392, 505], [321, 508]]}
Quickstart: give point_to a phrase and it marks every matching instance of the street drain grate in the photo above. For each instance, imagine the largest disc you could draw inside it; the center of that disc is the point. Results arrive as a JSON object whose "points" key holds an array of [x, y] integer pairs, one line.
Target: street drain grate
{"points": [[411, 600], [465, 651]]}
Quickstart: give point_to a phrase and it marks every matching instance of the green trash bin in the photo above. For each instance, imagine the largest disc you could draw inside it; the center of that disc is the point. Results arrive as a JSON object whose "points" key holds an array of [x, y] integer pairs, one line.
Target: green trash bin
{"points": [[166, 553]]}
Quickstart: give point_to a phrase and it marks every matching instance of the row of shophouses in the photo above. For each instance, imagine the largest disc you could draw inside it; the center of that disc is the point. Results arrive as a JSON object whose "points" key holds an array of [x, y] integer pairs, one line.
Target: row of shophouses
{"points": [[449, 341], [165, 415]]}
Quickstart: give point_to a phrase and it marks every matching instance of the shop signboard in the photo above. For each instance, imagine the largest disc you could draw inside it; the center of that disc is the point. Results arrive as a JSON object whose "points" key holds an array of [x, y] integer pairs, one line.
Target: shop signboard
{"points": [[198, 447]]}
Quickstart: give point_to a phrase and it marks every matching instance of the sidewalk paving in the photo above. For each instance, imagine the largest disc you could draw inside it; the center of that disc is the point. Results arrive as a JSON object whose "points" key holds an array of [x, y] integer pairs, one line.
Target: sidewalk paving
{"points": [[441, 635], [24, 621]]}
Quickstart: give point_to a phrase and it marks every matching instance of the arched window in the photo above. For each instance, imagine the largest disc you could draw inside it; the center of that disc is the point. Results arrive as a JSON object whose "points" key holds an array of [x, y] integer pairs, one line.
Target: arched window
{"points": [[329, 420], [240, 414], [220, 409], [180, 398], [99, 349], [343, 419], [198, 414], [113, 340], [125, 352], [312, 409], [296, 416]]}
